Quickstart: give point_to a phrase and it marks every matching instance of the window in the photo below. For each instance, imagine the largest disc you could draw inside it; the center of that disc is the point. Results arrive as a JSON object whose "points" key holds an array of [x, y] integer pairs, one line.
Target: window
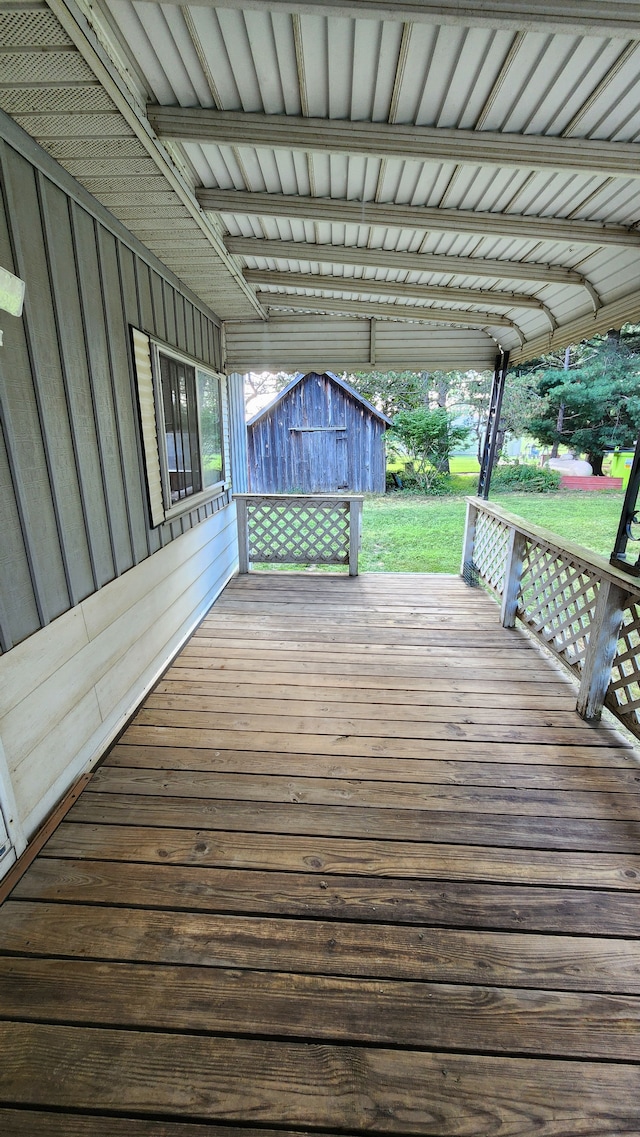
{"points": [[179, 404], [181, 409]]}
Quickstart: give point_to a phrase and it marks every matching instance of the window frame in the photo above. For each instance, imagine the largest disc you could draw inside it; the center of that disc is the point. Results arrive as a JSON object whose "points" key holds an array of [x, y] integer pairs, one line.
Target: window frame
{"points": [[191, 501], [156, 425]]}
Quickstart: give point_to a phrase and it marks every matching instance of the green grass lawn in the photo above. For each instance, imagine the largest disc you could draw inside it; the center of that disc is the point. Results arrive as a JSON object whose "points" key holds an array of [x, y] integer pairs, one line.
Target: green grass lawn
{"points": [[414, 534]]}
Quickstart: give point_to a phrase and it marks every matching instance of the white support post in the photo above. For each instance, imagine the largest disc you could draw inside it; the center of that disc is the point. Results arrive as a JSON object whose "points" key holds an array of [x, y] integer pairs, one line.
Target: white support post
{"points": [[469, 536], [512, 576], [601, 651], [355, 521], [243, 535]]}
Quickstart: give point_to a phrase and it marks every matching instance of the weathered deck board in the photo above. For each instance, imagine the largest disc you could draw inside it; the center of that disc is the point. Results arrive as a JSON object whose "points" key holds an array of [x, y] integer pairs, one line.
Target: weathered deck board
{"points": [[355, 866], [439, 1015], [267, 851], [360, 1088], [390, 900], [427, 770], [311, 790]]}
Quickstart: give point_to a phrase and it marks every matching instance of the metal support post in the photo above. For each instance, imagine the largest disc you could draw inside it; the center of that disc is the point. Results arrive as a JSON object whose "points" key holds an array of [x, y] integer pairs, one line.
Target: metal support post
{"points": [[628, 518], [493, 424]]}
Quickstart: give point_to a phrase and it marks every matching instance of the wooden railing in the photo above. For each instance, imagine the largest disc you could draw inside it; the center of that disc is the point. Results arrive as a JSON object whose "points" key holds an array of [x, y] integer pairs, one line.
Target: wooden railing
{"points": [[572, 600], [317, 529]]}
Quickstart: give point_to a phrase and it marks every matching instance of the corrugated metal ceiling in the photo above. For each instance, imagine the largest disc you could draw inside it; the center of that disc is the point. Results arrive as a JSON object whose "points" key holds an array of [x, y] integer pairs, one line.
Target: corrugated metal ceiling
{"points": [[308, 62]]}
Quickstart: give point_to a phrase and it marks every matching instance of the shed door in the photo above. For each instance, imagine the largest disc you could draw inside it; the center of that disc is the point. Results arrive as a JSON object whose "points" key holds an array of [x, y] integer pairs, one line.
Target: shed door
{"points": [[320, 459]]}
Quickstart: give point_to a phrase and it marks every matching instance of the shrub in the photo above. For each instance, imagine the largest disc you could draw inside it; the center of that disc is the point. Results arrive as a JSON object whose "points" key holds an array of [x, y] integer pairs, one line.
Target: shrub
{"points": [[525, 479], [407, 481]]}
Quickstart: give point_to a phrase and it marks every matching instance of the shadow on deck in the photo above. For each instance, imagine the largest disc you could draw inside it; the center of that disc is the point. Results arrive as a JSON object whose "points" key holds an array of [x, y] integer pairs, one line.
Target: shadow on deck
{"points": [[355, 865]]}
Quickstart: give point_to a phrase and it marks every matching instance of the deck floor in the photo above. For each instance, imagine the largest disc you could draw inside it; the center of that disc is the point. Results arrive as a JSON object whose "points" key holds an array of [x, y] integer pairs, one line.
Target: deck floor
{"points": [[356, 865]]}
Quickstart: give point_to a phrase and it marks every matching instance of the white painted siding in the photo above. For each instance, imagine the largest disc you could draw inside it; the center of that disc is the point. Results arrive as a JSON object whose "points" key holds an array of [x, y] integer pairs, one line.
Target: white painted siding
{"points": [[66, 691]]}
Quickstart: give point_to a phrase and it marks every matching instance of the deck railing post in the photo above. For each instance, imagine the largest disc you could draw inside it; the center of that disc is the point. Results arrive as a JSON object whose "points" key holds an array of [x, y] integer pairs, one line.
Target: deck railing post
{"points": [[601, 650], [512, 577], [469, 540], [243, 535], [355, 523]]}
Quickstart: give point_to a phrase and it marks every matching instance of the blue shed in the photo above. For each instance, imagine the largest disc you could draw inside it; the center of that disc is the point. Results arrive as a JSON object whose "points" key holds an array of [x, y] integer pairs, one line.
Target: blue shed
{"points": [[318, 436]]}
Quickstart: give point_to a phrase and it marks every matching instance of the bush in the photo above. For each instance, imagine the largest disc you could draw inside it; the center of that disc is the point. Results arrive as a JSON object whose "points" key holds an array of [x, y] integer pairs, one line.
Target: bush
{"points": [[406, 481], [525, 479]]}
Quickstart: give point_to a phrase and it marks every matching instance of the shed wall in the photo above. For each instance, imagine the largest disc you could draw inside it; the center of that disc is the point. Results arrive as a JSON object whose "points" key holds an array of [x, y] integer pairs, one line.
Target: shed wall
{"points": [[317, 439]]}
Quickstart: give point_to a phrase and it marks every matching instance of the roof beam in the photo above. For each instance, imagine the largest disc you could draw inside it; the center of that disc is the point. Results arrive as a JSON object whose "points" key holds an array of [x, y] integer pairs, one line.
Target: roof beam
{"points": [[338, 211], [579, 17], [397, 140], [413, 262], [378, 309], [391, 288]]}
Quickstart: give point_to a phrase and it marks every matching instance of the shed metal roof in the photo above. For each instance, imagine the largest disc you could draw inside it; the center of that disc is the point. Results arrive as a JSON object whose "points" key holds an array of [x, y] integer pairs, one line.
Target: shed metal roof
{"points": [[471, 166]]}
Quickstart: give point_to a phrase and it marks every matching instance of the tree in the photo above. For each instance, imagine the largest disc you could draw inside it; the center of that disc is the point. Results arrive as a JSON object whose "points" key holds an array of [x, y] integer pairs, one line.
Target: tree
{"points": [[600, 402], [392, 391], [428, 437], [260, 388]]}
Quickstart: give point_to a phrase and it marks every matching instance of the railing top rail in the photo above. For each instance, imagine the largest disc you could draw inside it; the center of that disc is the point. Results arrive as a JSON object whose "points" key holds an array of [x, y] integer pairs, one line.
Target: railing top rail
{"points": [[301, 496], [555, 541]]}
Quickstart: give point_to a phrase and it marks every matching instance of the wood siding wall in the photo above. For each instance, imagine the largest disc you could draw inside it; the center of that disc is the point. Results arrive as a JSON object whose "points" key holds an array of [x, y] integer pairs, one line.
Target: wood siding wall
{"points": [[296, 448], [94, 601], [73, 502]]}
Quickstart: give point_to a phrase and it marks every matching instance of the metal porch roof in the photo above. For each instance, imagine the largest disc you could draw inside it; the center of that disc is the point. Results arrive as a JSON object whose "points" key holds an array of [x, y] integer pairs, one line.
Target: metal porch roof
{"points": [[466, 172]]}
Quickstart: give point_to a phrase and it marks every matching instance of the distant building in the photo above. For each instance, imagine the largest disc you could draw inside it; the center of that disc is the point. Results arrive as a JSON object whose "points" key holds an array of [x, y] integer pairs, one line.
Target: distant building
{"points": [[317, 436]]}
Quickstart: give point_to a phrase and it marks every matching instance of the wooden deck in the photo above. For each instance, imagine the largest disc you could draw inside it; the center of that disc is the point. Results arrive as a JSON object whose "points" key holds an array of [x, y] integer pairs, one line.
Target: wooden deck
{"points": [[355, 866]]}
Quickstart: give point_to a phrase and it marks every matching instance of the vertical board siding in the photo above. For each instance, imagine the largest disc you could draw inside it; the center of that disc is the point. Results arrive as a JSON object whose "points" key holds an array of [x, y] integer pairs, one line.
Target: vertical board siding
{"points": [[20, 410], [117, 338], [101, 390], [74, 508], [19, 610], [71, 350], [144, 296], [285, 459], [157, 298]]}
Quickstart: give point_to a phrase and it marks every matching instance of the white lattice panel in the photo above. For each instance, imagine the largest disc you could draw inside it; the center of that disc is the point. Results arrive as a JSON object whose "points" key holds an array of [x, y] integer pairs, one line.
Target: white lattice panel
{"points": [[557, 601], [624, 689], [490, 550], [304, 532]]}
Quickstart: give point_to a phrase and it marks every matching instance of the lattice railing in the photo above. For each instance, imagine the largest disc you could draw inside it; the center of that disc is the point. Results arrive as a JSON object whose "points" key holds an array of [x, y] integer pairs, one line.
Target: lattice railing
{"points": [[490, 550], [582, 608], [557, 601], [299, 529]]}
